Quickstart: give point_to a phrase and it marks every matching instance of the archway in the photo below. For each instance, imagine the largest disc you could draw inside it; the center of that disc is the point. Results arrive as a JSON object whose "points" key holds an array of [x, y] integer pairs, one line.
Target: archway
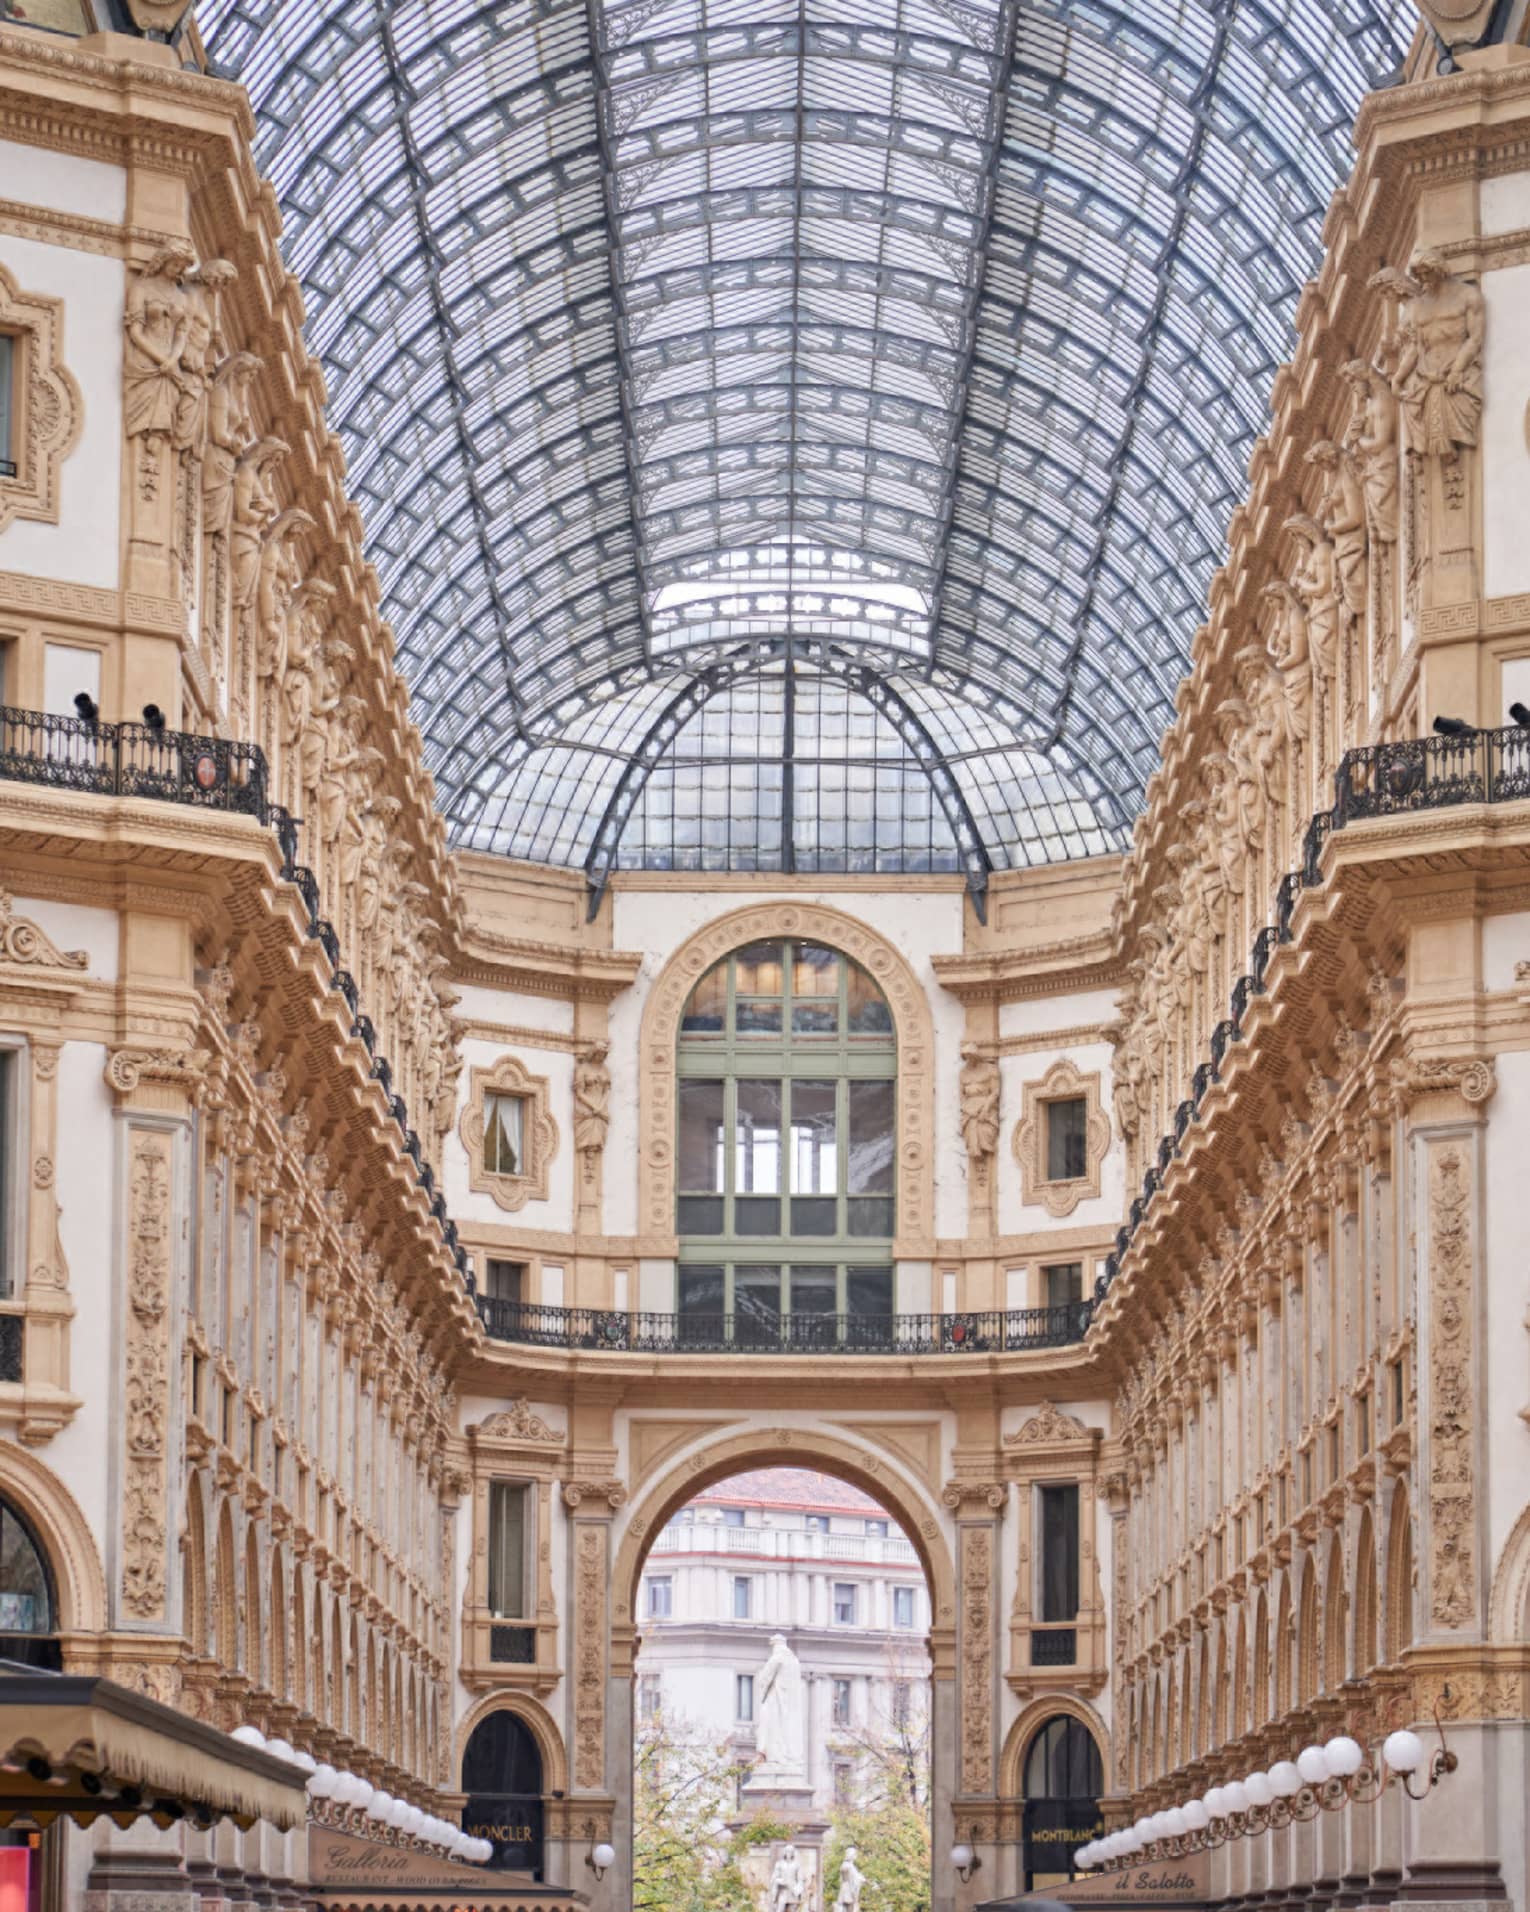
{"points": [[502, 1777], [829, 1593], [1061, 1781]]}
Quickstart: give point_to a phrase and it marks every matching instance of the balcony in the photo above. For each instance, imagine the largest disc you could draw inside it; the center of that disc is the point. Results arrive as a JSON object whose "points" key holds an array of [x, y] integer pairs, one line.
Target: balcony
{"points": [[784, 1543], [613, 1331]]}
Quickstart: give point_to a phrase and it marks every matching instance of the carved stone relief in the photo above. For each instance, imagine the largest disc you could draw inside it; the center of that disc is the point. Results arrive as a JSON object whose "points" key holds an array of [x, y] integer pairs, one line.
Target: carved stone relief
{"points": [[1061, 1082], [510, 1076], [146, 1373], [50, 411]]}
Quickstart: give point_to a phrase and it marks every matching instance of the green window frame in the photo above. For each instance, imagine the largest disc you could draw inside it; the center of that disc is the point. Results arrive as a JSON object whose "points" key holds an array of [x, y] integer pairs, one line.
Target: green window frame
{"points": [[786, 1146]]}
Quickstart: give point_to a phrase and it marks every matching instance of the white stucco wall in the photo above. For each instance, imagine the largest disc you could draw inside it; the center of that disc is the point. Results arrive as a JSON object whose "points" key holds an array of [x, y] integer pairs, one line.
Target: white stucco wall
{"points": [[1088, 1008], [83, 547], [657, 922], [1506, 390]]}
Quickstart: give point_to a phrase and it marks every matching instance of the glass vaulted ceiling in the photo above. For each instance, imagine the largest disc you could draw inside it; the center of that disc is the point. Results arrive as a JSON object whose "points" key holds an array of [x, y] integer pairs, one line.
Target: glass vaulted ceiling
{"points": [[799, 434]]}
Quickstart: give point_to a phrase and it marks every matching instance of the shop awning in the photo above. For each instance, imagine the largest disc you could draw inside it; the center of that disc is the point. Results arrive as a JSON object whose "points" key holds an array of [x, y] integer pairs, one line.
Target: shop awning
{"points": [[81, 1748]]}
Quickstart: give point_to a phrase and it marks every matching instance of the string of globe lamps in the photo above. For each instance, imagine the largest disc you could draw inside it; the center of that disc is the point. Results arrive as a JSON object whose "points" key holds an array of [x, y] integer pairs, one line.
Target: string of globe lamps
{"points": [[1320, 1779], [351, 1803]]}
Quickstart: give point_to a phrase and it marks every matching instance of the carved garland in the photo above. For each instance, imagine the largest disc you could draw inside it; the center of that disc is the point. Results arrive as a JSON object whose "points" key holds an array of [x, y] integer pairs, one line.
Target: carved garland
{"points": [[51, 412], [1452, 1493], [147, 1374], [916, 1048], [590, 1672], [977, 1658], [1062, 1082], [509, 1076]]}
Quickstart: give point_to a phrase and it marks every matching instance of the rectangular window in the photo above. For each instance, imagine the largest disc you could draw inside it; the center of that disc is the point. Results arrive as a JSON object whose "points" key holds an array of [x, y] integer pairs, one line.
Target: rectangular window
{"points": [[902, 1700], [841, 1703], [1059, 1552], [743, 1592], [815, 1151], [508, 1508], [903, 1606], [877, 1529], [869, 1297], [757, 1302], [815, 990], [8, 356], [504, 1134], [505, 1281], [757, 1143], [69, 669], [1066, 1158], [842, 1782], [661, 1598], [818, 1523], [844, 1603], [648, 1696], [733, 1516], [743, 1697], [1062, 1284]]}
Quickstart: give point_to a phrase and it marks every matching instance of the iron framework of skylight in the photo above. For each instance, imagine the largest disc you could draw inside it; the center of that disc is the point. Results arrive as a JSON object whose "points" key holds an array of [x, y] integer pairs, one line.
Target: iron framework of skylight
{"points": [[897, 358]]}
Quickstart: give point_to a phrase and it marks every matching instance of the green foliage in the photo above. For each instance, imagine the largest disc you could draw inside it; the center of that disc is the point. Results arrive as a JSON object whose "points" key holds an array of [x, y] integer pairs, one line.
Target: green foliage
{"points": [[685, 1858], [892, 1848]]}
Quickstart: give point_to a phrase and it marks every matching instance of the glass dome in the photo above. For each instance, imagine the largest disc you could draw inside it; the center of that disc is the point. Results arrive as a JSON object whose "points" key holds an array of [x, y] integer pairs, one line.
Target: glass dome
{"points": [[908, 349]]}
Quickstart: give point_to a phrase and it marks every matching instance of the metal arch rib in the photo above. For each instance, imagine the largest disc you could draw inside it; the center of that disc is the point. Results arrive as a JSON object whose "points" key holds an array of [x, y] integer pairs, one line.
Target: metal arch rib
{"points": [[977, 866], [456, 391]]}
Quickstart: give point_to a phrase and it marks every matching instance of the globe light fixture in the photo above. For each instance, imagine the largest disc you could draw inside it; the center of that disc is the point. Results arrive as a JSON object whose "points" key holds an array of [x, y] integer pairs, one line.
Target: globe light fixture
{"points": [[963, 1861]]}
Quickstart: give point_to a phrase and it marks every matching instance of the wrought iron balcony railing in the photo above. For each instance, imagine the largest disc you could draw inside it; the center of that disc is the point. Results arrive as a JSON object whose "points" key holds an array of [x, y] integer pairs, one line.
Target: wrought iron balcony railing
{"points": [[614, 1329], [133, 760]]}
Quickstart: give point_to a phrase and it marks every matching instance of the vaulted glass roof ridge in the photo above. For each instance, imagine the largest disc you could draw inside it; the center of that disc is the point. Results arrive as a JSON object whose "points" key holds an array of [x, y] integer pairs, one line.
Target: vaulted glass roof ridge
{"points": [[799, 433]]}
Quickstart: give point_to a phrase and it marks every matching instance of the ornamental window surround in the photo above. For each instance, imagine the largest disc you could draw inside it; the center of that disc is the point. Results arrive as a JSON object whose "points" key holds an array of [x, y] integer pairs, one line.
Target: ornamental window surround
{"points": [[1061, 1140], [508, 1133]]}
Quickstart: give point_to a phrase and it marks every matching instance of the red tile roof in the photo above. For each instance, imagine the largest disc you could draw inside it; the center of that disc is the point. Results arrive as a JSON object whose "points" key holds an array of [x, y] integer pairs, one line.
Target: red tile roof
{"points": [[798, 1488]]}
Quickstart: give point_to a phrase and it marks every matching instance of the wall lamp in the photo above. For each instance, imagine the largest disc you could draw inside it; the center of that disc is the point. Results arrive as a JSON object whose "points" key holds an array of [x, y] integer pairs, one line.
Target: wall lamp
{"points": [[964, 1858], [600, 1855], [1320, 1779]]}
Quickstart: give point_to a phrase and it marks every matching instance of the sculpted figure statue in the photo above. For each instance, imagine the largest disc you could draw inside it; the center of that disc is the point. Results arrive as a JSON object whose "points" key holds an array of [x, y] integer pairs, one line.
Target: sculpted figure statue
{"points": [[377, 822], [592, 1098], [199, 349], [1288, 638], [980, 1102], [1317, 585], [276, 585], [314, 744], [1437, 374], [152, 381], [1371, 437], [852, 1882], [1342, 515], [342, 754], [229, 436], [255, 510], [310, 616], [1235, 725], [786, 1883], [1222, 800], [779, 1735]]}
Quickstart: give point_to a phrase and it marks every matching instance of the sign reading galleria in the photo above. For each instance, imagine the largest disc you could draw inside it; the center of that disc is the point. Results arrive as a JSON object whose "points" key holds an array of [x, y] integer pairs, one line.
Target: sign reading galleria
{"points": [[348, 1872]]}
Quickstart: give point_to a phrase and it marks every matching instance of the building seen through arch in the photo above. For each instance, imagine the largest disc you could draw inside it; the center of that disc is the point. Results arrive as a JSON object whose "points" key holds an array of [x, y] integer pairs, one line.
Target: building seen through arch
{"points": [[763, 769]]}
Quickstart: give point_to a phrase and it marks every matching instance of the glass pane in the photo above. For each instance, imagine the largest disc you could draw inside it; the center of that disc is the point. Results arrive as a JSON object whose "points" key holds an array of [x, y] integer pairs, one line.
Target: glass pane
{"points": [[24, 1603], [869, 1291], [815, 1156], [815, 990], [699, 1214], [757, 1302], [707, 1010], [815, 1291], [757, 1159], [757, 1215], [757, 1015], [870, 1217], [869, 1013], [1059, 1552], [1064, 1284], [701, 1292], [758, 970], [701, 1136], [504, 1127], [1065, 1140], [507, 1550], [873, 1123], [814, 1215]]}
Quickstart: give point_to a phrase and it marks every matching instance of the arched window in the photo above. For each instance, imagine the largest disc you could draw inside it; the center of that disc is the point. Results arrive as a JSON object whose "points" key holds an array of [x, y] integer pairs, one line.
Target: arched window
{"points": [[786, 1150], [1062, 1780], [28, 1609], [502, 1776]]}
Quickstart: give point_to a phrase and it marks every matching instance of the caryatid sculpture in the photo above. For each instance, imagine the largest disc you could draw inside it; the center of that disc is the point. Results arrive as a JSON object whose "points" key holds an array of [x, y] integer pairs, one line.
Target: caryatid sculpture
{"points": [[779, 1734], [980, 1102], [1437, 371]]}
